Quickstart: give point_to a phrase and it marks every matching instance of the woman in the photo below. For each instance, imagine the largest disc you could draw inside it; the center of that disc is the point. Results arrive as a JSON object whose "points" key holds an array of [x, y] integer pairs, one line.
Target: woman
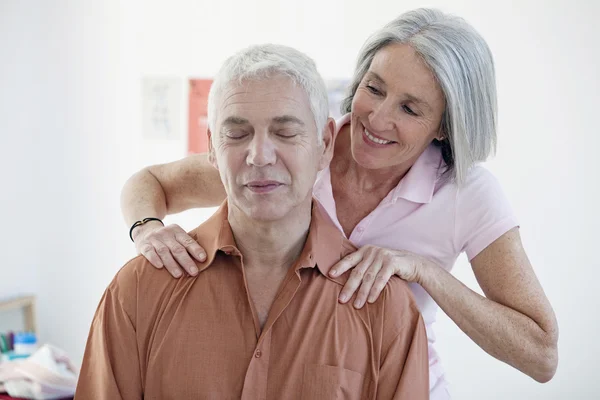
{"points": [[404, 186]]}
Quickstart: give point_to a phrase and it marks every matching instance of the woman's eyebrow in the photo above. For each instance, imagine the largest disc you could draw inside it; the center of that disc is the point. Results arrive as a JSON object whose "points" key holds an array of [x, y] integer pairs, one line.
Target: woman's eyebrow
{"points": [[375, 76]]}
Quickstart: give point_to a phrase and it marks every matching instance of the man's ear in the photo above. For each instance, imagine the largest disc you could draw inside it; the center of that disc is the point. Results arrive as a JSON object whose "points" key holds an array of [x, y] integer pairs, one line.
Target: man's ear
{"points": [[328, 143], [211, 151]]}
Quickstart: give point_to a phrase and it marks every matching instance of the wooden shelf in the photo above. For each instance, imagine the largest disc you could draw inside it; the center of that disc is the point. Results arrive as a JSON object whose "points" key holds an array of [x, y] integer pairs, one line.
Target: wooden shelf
{"points": [[27, 305]]}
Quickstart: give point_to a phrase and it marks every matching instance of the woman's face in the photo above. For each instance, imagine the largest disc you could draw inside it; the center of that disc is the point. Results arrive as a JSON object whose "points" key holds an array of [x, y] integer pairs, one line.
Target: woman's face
{"points": [[396, 111]]}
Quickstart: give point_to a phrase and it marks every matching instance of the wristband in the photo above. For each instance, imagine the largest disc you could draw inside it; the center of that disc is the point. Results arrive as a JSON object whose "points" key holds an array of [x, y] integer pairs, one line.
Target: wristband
{"points": [[142, 222]]}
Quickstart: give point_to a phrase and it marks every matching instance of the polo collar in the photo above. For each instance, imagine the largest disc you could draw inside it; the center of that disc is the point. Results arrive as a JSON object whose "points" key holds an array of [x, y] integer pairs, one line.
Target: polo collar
{"points": [[323, 248]]}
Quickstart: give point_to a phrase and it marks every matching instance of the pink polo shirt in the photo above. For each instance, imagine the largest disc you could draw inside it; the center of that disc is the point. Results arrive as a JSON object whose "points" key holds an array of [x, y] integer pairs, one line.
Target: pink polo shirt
{"points": [[432, 217]]}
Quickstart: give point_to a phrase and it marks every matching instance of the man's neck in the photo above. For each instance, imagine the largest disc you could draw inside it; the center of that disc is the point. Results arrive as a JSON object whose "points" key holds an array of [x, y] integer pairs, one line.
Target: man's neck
{"points": [[269, 245]]}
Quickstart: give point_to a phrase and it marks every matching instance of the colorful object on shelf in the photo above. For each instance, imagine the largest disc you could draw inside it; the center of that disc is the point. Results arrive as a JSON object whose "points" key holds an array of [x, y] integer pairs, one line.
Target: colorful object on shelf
{"points": [[5, 346], [25, 343]]}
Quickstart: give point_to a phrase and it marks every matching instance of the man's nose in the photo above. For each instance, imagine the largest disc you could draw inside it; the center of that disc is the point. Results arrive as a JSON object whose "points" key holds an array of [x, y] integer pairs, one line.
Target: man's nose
{"points": [[262, 151]]}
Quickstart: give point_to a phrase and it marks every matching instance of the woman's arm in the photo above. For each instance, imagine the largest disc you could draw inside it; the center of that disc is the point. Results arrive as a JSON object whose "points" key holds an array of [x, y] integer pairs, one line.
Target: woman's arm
{"points": [[170, 188], [514, 323], [165, 189]]}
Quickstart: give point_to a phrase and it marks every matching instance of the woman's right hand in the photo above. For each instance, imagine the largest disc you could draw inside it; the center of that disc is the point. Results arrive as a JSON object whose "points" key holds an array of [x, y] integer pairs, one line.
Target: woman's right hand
{"points": [[169, 246]]}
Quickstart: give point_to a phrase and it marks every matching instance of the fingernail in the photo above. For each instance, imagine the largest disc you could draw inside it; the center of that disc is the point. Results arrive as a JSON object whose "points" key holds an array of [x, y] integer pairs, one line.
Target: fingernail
{"points": [[202, 256], [333, 272], [343, 298], [358, 303], [371, 299], [177, 274], [194, 270]]}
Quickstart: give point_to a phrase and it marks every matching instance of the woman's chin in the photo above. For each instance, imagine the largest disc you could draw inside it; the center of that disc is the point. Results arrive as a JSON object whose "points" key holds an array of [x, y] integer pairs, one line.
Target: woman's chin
{"points": [[365, 159]]}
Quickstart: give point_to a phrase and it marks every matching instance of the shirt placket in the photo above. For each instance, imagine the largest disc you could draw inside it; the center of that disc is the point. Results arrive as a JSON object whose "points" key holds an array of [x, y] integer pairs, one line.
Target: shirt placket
{"points": [[255, 382], [358, 232]]}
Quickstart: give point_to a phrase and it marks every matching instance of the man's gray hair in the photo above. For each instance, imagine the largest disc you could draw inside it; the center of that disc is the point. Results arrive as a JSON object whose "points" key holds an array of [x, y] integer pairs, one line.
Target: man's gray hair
{"points": [[463, 65], [267, 60]]}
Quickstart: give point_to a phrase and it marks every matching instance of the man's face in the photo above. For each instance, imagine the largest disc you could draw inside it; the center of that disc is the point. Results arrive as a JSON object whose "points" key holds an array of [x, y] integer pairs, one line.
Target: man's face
{"points": [[266, 147]]}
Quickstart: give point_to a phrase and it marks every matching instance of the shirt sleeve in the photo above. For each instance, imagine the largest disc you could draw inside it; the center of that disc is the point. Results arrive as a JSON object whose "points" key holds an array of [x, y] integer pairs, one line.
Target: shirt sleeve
{"points": [[483, 213], [404, 370], [110, 369]]}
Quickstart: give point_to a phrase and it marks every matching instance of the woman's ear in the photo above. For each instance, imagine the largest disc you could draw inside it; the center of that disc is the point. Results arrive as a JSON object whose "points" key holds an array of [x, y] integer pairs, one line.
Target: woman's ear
{"points": [[441, 134]]}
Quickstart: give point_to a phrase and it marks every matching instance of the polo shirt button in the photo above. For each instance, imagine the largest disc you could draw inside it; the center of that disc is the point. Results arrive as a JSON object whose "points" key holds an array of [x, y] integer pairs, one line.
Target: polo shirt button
{"points": [[360, 229], [258, 354]]}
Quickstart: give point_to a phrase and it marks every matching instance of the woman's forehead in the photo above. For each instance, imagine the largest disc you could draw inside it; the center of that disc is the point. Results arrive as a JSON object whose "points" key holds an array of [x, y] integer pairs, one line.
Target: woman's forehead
{"points": [[399, 67]]}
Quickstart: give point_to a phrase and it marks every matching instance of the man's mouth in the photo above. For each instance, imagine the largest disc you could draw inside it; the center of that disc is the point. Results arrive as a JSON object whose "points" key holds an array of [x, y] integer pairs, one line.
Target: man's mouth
{"points": [[263, 186]]}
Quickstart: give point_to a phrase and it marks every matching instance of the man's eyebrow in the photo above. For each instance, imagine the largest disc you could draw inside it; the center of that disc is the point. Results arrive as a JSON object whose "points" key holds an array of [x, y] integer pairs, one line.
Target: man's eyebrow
{"points": [[287, 119], [233, 120]]}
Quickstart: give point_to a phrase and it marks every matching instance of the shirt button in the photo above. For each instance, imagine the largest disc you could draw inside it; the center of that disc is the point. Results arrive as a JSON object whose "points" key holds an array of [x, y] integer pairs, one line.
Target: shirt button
{"points": [[258, 354], [360, 229]]}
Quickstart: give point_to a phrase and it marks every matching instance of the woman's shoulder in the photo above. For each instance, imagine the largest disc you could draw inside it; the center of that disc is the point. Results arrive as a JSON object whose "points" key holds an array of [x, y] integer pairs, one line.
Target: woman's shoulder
{"points": [[483, 211], [478, 179], [481, 190]]}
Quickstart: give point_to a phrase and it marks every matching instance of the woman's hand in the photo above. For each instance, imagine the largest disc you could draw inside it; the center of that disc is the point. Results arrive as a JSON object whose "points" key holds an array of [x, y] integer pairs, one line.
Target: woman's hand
{"points": [[373, 268], [169, 247]]}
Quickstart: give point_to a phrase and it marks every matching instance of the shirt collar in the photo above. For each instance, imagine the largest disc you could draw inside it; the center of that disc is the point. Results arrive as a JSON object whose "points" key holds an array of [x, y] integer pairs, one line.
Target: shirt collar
{"points": [[325, 245], [419, 182]]}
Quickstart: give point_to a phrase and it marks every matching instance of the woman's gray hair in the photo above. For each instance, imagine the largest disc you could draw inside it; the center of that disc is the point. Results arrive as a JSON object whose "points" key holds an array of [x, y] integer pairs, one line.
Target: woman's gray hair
{"points": [[264, 61], [463, 65]]}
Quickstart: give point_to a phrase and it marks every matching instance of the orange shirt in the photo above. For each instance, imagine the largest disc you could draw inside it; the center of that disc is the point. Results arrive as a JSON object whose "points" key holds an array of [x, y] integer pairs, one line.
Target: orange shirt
{"points": [[154, 337]]}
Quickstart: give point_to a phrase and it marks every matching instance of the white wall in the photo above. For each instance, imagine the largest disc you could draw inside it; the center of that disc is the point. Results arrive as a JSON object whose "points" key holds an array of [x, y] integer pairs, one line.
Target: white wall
{"points": [[70, 130]]}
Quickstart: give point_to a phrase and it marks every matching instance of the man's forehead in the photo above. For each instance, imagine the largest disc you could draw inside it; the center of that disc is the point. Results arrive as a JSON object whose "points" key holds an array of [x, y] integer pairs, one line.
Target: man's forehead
{"points": [[273, 100]]}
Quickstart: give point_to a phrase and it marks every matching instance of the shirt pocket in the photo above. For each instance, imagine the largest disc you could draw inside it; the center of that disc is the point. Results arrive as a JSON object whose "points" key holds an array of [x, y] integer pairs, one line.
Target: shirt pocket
{"points": [[325, 382]]}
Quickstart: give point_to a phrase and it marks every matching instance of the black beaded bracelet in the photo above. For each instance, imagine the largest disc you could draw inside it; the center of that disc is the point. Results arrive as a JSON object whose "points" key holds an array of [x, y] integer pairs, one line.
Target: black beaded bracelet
{"points": [[142, 222]]}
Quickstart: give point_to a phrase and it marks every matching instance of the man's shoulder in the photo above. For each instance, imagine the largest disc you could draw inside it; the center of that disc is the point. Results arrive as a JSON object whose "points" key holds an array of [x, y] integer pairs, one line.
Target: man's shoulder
{"points": [[397, 305], [137, 272], [398, 291]]}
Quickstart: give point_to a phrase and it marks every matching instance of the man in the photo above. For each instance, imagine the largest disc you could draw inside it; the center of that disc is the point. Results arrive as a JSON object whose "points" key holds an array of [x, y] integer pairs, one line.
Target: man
{"points": [[260, 320]]}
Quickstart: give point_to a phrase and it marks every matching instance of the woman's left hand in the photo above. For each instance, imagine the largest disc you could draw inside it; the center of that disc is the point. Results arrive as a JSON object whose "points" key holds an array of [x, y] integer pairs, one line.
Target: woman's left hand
{"points": [[373, 268]]}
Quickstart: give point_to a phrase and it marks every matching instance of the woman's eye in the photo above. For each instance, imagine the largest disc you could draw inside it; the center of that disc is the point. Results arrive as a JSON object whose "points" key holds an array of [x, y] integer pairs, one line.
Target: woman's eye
{"points": [[373, 89], [408, 110]]}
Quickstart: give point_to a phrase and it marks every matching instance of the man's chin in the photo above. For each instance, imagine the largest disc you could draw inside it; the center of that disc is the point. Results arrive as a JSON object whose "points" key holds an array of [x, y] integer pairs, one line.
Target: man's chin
{"points": [[267, 213], [265, 209]]}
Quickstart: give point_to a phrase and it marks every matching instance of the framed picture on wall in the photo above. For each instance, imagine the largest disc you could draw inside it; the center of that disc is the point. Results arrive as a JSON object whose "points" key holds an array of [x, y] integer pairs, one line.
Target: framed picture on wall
{"points": [[197, 115]]}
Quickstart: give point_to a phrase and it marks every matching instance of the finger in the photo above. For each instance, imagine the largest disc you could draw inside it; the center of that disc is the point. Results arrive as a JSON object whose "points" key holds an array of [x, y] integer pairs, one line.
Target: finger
{"points": [[367, 282], [147, 250], [167, 259], [192, 247], [181, 256], [380, 281], [346, 263], [355, 279]]}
